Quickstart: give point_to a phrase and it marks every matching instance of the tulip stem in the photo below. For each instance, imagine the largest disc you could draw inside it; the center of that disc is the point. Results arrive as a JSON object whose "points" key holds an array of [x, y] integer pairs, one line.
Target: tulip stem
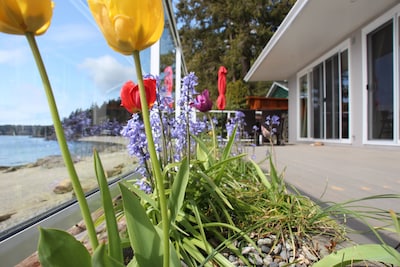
{"points": [[154, 159], [63, 143], [213, 135]]}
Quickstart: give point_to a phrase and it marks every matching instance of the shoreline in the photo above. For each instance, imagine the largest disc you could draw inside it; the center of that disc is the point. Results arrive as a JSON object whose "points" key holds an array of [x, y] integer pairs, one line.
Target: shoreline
{"points": [[29, 190], [106, 143]]}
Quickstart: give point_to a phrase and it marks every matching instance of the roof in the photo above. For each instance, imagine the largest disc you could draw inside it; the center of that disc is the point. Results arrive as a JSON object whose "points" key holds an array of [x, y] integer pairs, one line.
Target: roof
{"points": [[278, 90], [311, 28]]}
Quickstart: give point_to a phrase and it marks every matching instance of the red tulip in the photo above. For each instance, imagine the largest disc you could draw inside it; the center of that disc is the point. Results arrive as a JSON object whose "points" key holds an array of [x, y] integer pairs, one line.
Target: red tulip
{"points": [[130, 98]]}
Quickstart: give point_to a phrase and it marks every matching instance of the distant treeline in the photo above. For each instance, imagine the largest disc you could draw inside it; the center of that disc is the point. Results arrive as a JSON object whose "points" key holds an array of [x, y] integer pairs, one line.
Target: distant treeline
{"points": [[31, 130], [108, 119]]}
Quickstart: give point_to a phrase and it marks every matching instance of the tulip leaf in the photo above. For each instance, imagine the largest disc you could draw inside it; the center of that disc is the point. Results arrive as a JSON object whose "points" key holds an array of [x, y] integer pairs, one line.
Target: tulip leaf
{"points": [[145, 238], [145, 241], [100, 258], [368, 252], [202, 156], [142, 195], [114, 242], [60, 249], [175, 201], [228, 148]]}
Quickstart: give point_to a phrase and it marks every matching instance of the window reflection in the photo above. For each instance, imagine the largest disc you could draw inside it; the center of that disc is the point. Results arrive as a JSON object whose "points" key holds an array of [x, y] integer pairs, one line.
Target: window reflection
{"points": [[86, 76]]}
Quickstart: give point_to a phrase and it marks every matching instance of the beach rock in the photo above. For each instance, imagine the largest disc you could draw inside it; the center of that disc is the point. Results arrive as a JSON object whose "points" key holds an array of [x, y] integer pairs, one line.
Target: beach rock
{"points": [[117, 170], [6, 216], [53, 161], [11, 169], [63, 187]]}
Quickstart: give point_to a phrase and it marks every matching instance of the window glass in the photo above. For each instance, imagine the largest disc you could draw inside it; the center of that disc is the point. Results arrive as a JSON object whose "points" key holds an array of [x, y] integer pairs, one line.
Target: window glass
{"points": [[317, 96], [324, 94], [304, 106], [332, 97], [344, 68], [86, 76], [380, 83]]}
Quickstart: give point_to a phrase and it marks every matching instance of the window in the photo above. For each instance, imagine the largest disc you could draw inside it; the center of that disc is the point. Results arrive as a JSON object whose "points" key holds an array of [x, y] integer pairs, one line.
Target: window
{"points": [[381, 77], [324, 99], [304, 106], [380, 82], [86, 77]]}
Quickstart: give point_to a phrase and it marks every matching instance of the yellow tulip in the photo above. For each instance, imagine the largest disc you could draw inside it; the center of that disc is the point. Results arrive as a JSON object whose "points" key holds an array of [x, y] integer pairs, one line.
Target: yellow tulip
{"points": [[22, 16], [129, 25]]}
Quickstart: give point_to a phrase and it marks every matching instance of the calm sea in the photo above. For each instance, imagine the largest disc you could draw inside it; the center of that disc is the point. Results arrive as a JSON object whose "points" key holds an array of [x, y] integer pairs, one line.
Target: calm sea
{"points": [[18, 150]]}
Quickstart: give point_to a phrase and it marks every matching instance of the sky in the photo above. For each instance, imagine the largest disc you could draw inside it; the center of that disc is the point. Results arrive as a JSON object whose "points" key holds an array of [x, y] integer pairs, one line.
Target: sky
{"points": [[82, 69]]}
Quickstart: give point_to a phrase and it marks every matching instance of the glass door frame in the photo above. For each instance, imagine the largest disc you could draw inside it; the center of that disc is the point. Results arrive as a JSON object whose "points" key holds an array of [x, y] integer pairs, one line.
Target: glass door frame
{"points": [[307, 72], [392, 15]]}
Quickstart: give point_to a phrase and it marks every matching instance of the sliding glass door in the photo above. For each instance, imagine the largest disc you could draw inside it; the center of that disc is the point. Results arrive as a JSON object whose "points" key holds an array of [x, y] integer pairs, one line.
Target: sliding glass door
{"points": [[324, 99], [380, 83]]}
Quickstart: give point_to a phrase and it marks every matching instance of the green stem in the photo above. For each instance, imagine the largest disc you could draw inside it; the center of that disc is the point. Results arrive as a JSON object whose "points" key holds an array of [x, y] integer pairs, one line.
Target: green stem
{"points": [[154, 159], [214, 136], [63, 143]]}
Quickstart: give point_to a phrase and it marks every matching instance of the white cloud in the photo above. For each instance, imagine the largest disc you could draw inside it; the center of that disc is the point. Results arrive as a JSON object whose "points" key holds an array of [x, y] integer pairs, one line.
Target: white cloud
{"points": [[13, 56], [74, 34], [107, 73], [25, 104]]}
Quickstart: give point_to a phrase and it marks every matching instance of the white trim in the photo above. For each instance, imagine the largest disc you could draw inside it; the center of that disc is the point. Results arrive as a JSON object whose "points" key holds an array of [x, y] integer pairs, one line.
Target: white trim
{"points": [[155, 58], [178, 79], [396, 74], [391, 15]]}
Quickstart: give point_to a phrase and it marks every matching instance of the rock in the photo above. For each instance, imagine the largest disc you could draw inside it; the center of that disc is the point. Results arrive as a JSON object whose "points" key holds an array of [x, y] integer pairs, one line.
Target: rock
{"points": [[284, 254], [63, 187], [6, 216], [11, 169], [255, 258], [265, 249], [308, 254], [247, 250], [268, 260], [264, 241], [277, 249], [117, 170]]}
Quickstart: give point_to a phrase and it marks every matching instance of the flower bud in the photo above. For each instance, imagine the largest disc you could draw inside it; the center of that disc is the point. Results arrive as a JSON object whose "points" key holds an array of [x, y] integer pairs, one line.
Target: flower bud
{"points": [[203, 102], [20, 17], [130, 97], [129, 25]]}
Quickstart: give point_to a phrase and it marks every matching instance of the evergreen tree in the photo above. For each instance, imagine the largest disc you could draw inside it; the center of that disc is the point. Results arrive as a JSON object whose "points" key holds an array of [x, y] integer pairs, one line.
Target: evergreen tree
{"points": [[231, 33]]}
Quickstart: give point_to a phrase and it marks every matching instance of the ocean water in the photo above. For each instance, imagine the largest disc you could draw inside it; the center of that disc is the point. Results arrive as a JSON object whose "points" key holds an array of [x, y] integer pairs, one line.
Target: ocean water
{"points": [[19, 150]]}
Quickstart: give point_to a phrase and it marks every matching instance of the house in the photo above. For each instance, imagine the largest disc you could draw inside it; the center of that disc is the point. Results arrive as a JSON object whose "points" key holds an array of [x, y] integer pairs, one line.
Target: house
{"points": [[278, 90], [341, 62]]}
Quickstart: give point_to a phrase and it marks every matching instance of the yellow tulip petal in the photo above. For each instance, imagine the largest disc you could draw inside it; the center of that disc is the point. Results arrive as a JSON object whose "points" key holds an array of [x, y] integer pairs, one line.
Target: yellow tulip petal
{"points": [[129, 25], [21, 16]]}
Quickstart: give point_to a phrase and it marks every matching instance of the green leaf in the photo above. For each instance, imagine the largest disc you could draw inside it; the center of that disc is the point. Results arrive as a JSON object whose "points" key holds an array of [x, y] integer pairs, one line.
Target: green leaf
{"points": [[142, 195], [100, 258], [60, 249], [202, 155], [261, 175], [369, 252], [176, 199], [145, 240], [228, 148], [396, 221], [114, 242], [216, 189]]}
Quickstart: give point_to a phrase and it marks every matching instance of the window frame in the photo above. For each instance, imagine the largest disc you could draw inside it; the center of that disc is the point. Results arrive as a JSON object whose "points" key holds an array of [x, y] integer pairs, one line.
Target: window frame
{"points": [[336, 51], [392, 15]]}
